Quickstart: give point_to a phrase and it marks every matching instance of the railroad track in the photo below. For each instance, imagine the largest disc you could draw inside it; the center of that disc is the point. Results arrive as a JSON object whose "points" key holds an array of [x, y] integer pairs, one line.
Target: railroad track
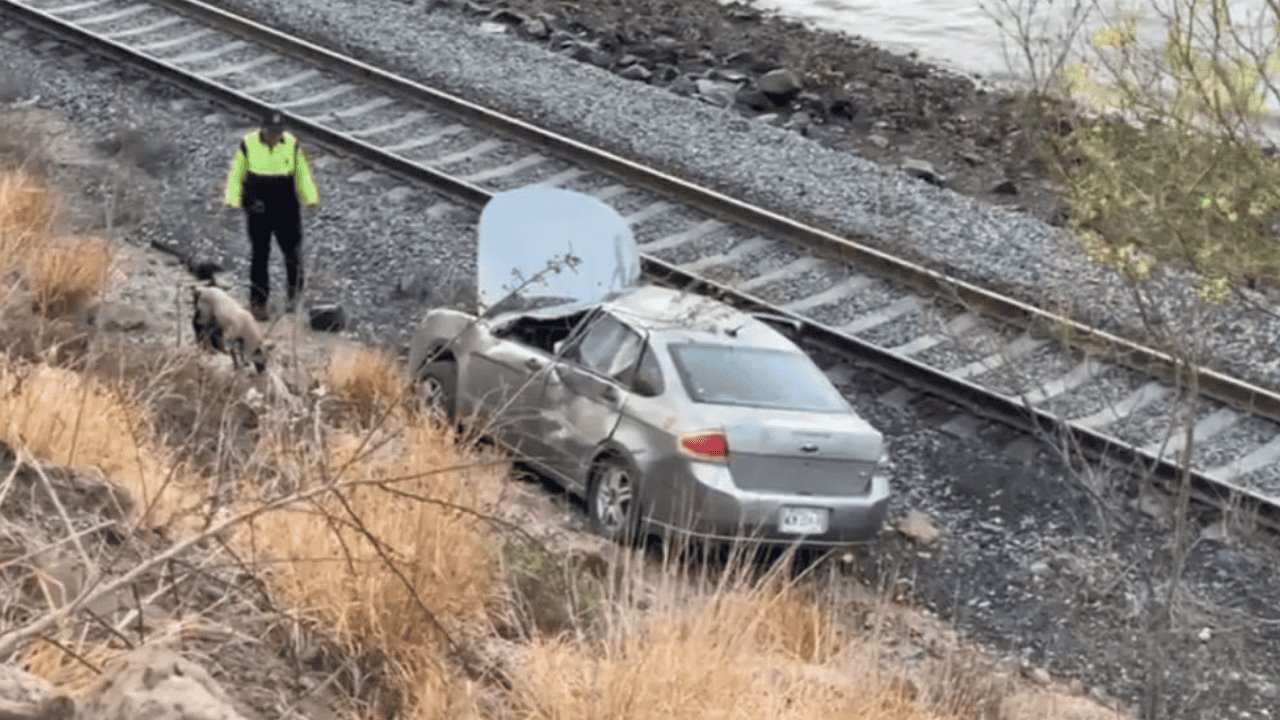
{"points": [[1000, 358]]}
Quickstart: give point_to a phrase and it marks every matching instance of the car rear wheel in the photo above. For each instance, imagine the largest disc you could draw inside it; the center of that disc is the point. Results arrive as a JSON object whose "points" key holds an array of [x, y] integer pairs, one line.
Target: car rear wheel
{"points": [[437, 383], [612, 500]]}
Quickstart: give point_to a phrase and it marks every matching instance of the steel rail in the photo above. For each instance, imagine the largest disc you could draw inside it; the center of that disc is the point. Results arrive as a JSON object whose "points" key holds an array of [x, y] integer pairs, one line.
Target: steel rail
{"points": [[907, 371]]}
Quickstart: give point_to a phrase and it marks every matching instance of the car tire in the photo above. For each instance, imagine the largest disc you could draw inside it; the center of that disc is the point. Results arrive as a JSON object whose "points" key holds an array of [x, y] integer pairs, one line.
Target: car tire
{"points": [[612, 502], [438, 385]]}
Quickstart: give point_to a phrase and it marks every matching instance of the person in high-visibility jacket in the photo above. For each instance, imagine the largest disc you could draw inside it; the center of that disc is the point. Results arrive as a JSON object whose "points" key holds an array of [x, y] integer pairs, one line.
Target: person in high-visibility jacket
{"points": [[270, 179]]}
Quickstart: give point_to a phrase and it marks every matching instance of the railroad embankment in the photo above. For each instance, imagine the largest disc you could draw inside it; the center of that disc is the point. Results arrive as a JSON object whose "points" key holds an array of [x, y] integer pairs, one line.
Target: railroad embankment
{"points": [[185, 541]]}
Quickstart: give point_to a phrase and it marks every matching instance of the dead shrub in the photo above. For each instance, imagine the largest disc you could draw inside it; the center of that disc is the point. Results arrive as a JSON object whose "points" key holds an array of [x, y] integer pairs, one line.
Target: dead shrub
{"points": [[368, 381], [379, 565], [71, 673], [65, 274], [710, 653], [70, 420], [27, 210]]}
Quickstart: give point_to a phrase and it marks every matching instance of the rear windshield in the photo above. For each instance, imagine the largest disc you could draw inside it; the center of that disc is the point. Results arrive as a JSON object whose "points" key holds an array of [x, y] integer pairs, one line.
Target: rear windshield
{"points": [[754, 377]]}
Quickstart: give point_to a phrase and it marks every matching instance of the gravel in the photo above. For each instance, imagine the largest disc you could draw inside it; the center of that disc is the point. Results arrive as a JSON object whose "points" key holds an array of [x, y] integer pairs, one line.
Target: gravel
{"points": [[867, 299], [1112, 384], [759, 163]]}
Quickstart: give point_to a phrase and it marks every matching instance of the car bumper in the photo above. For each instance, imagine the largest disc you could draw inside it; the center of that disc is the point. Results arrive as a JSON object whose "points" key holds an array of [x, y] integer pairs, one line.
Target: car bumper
{"points": [[715, 508]]}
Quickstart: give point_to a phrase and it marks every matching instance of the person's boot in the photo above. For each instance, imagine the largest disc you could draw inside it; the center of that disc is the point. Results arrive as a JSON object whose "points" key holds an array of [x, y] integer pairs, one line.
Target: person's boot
{"points": [[259, 313]]}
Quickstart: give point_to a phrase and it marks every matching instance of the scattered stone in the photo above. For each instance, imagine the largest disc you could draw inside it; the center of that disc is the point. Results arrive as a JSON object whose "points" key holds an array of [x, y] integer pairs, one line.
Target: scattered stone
{"points": [[800, 121], [636, 72], [917, 527], [972, 158], [507, 17], [364, 176], [493, 27], [731, 75], [924, 170], [477, 8], [398, 194], [1040, 676], [839, 103], [684, 85], [781, 85], [157, 684], [582, 50], [1039, 567], [328, 317], [879, 141], [1205, 635], [715, 92], [536, 29], [752, 98], [1005, 187]]}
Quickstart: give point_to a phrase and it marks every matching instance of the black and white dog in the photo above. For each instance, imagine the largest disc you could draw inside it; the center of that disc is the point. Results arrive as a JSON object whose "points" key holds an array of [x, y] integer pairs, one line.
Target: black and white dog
{"points": [[221, 324]]}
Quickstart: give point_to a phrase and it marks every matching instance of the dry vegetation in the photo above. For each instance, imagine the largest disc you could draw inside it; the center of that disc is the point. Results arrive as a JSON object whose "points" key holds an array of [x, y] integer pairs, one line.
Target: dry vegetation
{"points": [[334, 530]]}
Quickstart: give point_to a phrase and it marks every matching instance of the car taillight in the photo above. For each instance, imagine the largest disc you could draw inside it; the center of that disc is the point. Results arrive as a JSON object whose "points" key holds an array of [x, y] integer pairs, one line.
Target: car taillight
{"points": [[705, 445]]}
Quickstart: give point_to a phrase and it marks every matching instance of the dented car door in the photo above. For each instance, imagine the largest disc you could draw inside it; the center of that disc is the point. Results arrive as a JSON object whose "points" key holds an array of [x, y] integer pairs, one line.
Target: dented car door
{"points": [[586, 393], [504, 385]]}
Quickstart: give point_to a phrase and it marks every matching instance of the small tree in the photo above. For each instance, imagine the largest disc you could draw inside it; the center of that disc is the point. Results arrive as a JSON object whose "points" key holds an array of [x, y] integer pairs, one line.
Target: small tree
{"points": [[1169, 168], [1167, 183]]}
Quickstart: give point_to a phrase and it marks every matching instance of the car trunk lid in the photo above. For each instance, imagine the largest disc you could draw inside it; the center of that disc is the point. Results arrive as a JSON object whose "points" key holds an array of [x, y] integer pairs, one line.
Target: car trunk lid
{"points": [[804, 453]]}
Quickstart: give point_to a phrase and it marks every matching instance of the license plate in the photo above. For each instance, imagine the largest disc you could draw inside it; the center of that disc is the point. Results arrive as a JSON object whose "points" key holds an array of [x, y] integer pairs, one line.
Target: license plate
{"points": [[803, 521]]}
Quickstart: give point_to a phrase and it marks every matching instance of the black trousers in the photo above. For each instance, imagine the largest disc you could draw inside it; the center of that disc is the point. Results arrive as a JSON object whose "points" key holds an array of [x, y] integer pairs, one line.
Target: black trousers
{"points": [[284, 221]]}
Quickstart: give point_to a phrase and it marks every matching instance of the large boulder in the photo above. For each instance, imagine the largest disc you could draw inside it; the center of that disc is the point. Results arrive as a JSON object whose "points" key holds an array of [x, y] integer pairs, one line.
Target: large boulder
{"points": [[781, 85]]}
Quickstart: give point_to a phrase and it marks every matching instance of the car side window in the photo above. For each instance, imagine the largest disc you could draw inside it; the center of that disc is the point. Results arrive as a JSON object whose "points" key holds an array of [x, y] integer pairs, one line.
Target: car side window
{"points": [[609, 348], [648, 375]]}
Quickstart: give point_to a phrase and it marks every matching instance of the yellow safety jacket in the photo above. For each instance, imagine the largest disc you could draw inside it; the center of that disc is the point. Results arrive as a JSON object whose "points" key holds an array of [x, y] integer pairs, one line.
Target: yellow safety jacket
{"points": [[273, 175]]}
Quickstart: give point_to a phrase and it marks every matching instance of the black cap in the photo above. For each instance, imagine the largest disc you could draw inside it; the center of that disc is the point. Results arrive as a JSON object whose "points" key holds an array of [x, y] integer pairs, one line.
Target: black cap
{"points": [[273, 122]]}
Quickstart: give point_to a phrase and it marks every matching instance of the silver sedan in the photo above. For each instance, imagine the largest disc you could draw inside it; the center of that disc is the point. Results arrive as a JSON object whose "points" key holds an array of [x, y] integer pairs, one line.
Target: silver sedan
{"points": [[665, 410]]}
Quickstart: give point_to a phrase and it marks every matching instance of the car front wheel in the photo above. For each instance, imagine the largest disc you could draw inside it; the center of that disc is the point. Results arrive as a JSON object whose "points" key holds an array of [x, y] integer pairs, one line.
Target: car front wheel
{"points": [[438, 381], [612, 500]]}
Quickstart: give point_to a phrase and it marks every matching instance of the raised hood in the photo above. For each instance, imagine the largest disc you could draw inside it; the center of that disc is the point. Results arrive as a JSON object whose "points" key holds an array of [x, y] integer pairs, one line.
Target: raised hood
{"points": [[522, 231]]}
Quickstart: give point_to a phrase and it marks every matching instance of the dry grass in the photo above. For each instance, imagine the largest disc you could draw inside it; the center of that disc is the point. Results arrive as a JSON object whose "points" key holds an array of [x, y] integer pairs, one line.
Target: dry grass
{"points": [[27, 210], [745, 649], [70, 420], [430, 563], [70, 673], [366, 380], [65, 274]]}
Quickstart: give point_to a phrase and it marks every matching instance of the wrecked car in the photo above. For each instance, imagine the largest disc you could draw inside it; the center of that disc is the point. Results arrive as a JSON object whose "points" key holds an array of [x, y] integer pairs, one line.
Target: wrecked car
{"points": [[663, 409]]}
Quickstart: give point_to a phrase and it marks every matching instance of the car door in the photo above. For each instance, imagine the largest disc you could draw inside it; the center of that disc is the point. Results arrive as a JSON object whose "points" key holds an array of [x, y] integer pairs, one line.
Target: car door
{"points": [[505, 389], [585, 394]]}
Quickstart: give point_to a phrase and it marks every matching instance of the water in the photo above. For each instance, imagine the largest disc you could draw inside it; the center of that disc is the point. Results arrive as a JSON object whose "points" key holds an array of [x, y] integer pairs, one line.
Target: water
{"points": [[963, 34]]}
